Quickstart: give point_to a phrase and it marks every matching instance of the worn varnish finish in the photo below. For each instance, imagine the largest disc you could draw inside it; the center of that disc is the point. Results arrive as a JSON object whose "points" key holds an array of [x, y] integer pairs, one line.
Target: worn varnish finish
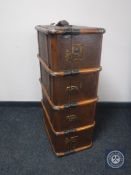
{"points": [[69, 141], [70, 63], [61, 46], [64, 119], [70, 88]]}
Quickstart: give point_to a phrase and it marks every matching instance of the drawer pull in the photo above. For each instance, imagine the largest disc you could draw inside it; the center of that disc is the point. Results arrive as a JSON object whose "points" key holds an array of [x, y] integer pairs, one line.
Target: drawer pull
{"points": [[71, 140], [72, 88], [68, 55], [71, 118]]}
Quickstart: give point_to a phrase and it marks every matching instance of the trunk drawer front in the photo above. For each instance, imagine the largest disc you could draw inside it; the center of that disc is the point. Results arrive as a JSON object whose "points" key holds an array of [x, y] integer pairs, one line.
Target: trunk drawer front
{"points": [[71, 89], [76, 51], [70, 142], [84, 87], [70, 118]]}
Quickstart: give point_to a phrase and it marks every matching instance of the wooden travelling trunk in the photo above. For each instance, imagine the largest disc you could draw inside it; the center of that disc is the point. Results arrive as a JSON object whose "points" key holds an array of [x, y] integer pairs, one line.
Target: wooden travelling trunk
{"points": [[69, 59]]}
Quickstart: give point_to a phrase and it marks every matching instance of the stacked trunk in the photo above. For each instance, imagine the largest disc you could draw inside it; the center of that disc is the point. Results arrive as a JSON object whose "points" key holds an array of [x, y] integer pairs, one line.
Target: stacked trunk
{"points": [[70, 63]]}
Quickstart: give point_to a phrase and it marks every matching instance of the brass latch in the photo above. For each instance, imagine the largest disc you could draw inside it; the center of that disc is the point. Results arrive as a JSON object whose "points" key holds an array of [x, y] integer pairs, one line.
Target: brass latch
{"points": [[71, 118], [68, 55], [72, 88], [71, 142]]}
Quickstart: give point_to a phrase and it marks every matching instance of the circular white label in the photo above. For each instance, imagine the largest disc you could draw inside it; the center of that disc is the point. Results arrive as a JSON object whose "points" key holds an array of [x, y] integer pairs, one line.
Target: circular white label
{"points": [[115, 159]]}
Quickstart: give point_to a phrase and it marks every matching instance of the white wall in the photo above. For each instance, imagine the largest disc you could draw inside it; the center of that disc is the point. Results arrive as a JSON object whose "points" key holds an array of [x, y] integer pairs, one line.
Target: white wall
{"points": [[19, 67]]}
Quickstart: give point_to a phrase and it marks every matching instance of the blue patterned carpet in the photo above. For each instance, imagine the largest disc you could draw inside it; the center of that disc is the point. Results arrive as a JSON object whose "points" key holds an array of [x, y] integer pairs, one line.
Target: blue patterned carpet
{"points": [[25, 150]]}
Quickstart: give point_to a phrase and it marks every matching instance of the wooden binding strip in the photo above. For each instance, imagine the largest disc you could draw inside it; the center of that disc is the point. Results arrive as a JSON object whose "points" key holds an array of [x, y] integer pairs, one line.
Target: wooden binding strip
{"points": [[61, 107], [67, 131], [67, 72], [48, 29]]}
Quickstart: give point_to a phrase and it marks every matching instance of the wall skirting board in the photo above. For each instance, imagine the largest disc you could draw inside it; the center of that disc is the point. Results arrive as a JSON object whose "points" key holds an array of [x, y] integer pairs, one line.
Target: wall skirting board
{"points": [[20, 104], [38, 104]]}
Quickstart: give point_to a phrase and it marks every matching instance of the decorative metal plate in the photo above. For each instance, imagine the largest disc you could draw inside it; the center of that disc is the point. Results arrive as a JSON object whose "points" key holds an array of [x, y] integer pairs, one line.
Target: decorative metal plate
{"points": [[72, 117], [71, 142], [75, 54]]}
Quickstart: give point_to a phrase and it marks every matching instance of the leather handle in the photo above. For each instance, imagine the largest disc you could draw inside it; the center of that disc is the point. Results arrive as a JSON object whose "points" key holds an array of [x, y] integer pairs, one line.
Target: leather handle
{"points": [[62, 23]]}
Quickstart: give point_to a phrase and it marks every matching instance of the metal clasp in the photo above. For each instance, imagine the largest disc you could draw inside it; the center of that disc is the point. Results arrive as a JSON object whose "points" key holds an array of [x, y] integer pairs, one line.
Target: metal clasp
{"points": [[70, 140], [71, 118], [72, 88]]}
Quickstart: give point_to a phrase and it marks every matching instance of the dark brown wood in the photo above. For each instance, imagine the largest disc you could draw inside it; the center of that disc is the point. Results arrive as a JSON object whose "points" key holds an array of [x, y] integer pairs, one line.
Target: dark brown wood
{"points": [[51, 29], [67, 72], [64, 119], [60, 48], [71, 141], [69, 63], [70, 89], [58, 107]]}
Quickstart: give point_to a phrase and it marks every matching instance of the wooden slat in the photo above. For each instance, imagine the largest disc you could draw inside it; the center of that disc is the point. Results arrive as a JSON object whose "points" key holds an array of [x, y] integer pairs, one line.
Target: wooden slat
{"points": [[70, 72]]}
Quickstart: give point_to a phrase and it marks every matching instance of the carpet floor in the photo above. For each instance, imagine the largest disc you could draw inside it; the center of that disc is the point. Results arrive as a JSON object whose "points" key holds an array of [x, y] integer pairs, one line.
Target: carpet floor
{"points": [[25, 149]]}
